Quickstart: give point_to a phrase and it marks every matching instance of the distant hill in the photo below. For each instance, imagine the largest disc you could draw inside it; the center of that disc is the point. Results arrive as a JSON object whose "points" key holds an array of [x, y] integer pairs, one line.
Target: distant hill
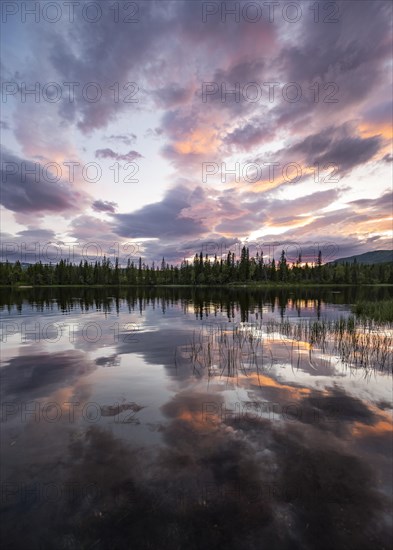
{"points": [[375, 257]]}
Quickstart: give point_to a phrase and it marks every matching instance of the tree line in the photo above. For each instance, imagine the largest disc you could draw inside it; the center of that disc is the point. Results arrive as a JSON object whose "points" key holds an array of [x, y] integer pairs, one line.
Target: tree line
{"points": [[203, 270]]}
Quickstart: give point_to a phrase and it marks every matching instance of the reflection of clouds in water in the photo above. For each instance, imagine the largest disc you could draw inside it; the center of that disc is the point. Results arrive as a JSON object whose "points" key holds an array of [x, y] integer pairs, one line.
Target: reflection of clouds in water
{"points": [[226, 485], [32, 376], [217, 480], [108, 361], [157, 348]]}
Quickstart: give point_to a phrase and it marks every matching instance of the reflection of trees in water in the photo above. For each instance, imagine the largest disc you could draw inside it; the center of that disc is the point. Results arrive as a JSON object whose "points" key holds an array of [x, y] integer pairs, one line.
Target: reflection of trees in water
{"points": [[202, 301]]}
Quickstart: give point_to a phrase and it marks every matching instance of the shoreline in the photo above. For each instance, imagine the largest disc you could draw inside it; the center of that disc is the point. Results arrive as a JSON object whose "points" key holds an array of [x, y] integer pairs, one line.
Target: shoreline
{"points": [[228, 286]]}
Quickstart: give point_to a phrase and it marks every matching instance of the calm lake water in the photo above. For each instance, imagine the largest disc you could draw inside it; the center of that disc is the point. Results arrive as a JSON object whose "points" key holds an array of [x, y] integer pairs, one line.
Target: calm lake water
{"points": [[186, 419]]}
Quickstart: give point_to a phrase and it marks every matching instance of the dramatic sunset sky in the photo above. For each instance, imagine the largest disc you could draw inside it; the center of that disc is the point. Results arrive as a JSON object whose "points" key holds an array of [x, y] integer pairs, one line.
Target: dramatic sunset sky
{"points": [[175, 132]]}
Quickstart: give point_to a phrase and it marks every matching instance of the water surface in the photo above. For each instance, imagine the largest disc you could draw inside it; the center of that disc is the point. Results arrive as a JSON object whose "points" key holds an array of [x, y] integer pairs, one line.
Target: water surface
{"points": [[184, 418]]}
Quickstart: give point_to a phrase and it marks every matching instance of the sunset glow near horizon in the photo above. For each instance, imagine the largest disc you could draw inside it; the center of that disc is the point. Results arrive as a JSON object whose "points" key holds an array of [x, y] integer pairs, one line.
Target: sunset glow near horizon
{"points": [[160, 129]]}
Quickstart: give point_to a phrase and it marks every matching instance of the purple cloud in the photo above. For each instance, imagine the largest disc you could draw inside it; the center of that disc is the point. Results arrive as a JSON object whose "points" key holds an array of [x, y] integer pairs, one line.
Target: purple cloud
{"points": [[27, 188], [161, 220], [109, 153], [104, 206]]}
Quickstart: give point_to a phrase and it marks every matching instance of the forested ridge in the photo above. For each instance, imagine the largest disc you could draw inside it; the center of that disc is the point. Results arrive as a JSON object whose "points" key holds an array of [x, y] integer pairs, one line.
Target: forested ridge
{"points": [[203, 270]]}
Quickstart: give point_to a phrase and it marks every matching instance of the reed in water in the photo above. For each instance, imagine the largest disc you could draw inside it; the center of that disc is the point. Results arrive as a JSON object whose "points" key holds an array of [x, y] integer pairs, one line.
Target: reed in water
{"points": [[242, 348]]}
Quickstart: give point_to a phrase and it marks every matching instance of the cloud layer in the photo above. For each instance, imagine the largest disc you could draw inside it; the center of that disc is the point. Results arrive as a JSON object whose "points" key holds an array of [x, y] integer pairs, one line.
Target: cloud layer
{"points": [[194, 87]]}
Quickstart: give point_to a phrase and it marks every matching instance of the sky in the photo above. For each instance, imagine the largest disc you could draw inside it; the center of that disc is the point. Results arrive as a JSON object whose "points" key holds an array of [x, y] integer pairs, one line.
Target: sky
{"points": [[165, 128]]}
